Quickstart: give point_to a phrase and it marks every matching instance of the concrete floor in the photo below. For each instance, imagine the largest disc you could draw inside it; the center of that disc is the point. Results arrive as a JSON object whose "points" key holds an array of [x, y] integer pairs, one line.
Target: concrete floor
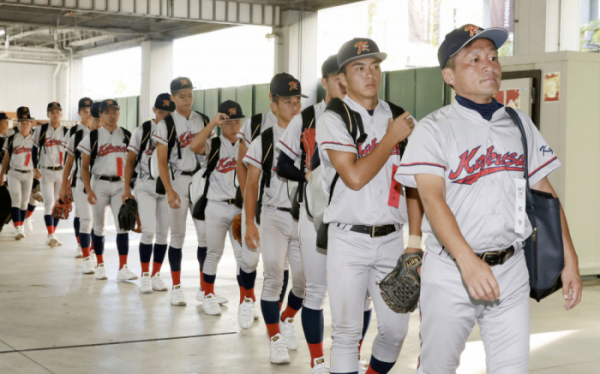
{"points": [[54, 319]]}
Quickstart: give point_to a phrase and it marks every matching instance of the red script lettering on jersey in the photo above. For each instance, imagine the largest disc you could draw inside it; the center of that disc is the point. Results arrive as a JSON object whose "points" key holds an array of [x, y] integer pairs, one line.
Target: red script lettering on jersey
{"points": [[225, 166], [366, 148], [109, 148], [186, 138], [487, 164]]}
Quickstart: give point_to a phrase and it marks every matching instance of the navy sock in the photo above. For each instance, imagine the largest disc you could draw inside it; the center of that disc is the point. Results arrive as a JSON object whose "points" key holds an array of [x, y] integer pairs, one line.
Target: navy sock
{"points": [[160, 250], [76, 225], [175, 256], [56, 221], [30, 208], [209, 278], [145, 252], [294, 301], [239, 280], [49, 220], [286, 277], [201, 255], [313, 325], [270, 311], [15, 214], [98, 244], [23, 215], [381, 367], [123, 244], [85, 240], [248, 279]]}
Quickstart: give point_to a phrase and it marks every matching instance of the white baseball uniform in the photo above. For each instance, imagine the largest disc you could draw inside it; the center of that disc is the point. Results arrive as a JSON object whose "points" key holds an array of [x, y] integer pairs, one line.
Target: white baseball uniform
{"points": [[83, 209], [152, 207], [20, 175], [278, 230], [356, 262], [51, 155], [481, 162]]}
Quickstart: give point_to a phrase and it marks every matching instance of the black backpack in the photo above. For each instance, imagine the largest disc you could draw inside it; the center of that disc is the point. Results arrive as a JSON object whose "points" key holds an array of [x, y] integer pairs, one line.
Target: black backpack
{"points": [[255, 125], [213, 160], [94, 144], [78, 139], [266, 142]]}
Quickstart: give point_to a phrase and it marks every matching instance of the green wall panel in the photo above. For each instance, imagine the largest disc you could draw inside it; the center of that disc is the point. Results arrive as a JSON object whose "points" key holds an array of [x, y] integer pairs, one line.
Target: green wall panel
{"points": [[400, 89], [260, 95], [198, 101], [211, 102], [132, 113], [244, 98], [429, 91], [228, 93]]}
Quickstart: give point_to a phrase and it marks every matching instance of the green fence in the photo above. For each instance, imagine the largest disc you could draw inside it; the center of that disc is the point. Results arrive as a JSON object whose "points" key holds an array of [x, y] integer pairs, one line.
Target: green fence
{"points": [[419, 91]]}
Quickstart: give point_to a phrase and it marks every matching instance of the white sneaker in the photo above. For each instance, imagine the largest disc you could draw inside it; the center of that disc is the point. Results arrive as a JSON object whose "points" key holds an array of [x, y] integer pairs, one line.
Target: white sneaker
{"points": [[177, 296], [200, 297], [320, 366], [363, 366], [210, 305], [101, 272], [279, 352], [157, 283], [29, 224], [58, 242], [125, 274], [256, 314], [88, 266], [145, 283], [94, 258], [79, 253], [221, 300], [51, 241], [19, 233], [246, 313], [289, 333]]}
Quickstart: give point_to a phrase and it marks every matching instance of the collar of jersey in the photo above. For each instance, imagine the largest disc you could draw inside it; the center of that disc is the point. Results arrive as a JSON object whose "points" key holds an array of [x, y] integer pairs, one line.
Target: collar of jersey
{"points": [[472, 113], [192, 115], [360, 109]]}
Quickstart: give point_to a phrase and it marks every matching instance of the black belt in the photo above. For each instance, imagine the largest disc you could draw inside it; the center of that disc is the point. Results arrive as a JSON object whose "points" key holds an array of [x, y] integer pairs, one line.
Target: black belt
{"points": [[374, 231], [289, 210], [493, 258], [111, 178], [22, 171], [230, 201], [53, 168], [188, 173]]}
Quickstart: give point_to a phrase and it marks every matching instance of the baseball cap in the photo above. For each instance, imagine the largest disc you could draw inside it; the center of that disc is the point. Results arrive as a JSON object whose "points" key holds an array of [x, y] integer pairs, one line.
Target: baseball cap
{"points": [[3, 116], [330, 66], [232, 109], [85, 102], [358, 48], [53, 105], [181, 83], [23, 114], [163, 102], [457, 39], [95, 110], [285, 85], [109, 103]]}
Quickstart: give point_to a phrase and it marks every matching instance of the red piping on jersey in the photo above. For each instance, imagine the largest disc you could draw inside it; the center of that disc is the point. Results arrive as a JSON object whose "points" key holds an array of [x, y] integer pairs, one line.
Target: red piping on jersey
{"points": [[85, 148], [423, 164], [288, 147], [254, 159], [541, 167], [159, 138], [136, 150], [345, 145]]}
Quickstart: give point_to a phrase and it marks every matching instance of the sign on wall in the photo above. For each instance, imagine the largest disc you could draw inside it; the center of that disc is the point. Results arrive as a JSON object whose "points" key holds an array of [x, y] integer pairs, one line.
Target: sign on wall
{"points": [[551, 86]]}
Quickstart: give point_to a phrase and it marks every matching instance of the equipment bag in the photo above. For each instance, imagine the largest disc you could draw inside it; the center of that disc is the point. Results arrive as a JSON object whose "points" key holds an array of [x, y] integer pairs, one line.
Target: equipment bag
{"points": [[199, 211]]}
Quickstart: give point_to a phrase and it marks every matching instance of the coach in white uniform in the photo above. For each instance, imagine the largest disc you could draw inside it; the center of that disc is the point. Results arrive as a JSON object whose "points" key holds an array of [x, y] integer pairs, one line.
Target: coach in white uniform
{"points": [[466, 159]]}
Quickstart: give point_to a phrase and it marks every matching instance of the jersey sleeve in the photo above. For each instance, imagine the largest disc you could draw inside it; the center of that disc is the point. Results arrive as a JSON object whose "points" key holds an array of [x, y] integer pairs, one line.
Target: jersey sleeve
{"points": [[244, 134], [70, 146], [333, 134], [541, 158], [290, 140], [423, 155], [136, 140], [84, 145], [254, 155], [160, 134]]}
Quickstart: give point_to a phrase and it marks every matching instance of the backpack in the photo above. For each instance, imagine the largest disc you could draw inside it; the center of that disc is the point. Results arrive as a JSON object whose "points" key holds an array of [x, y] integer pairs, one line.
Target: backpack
{"points": [[297, 188], [255, 125], [266, 142], [94, 144], [78, 139], [213, 160]]}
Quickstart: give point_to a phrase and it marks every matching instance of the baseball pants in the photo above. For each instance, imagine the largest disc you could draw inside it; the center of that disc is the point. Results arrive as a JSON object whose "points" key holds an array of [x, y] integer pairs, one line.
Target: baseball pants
{"points": [[108, 195], [50, 187], [177, 217], [250, 257], [32, 201], [200, 229], [83, 209], [356, 263], [20, 188], [448, 315], [154, 212], [219, 218], [279, 239]]}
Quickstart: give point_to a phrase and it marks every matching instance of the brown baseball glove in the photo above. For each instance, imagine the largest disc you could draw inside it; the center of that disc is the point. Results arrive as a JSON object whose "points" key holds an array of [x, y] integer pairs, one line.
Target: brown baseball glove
{"points": [[237, 228], [36, 192], [309, 141], [62, 208]]}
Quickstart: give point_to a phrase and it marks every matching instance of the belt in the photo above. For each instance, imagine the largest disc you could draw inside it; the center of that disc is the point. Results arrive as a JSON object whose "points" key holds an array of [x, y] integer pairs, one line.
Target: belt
{"points": [[493, 258], [374, 231], [112, 178], [188, 173], [22, 171], [230, 201], [289, 210], [53, 168]]}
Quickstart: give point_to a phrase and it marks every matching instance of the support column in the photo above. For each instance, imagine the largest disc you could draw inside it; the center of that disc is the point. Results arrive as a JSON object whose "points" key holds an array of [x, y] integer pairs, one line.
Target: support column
{"points": [[157, 73]]}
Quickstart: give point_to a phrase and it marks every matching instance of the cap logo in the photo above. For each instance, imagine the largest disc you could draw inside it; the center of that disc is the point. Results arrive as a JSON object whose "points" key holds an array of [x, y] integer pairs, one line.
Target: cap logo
{"points": [[86, 103], [166, 102], [24, 116], [473, 30], [232, 111], [25, 110], [362, 47], [109, 102], [293, 85], [54, 104], [184, 82]]}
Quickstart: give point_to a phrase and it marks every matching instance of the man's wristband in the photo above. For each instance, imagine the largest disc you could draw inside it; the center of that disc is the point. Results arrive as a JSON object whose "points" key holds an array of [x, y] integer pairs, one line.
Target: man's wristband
{"points": [[414, 241]]}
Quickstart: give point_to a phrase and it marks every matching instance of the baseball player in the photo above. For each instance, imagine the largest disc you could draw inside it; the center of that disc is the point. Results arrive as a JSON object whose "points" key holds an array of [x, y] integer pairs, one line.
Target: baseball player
{"points": [[467, 160], [278, 230], [83, 209], [177, 164], [84, 106], [48, 154], [103, 154], [17, 155], [220, 191], [152, 207], [5, 132], [367, 208]]}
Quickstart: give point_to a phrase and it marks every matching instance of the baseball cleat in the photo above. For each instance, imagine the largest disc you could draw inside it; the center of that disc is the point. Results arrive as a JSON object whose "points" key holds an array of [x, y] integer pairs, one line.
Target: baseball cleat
{"points": [[256, 314], [29, 224], [94, 258], [79, 253], [320, 366], [125, 274], [177, 296], [210, 305], [200, 297], [279, 352], [51, 241], [145, 283], [246, 313], [289, 333], [158, 284], [58, 242], [88, 266], [19, 233], [101, 272]]}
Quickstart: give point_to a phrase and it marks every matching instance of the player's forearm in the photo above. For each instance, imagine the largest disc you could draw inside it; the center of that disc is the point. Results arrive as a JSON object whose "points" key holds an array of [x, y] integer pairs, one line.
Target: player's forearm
{"points": [[250, 202], [67, 171], [85, 177], [129, 167], [569, 248], [163, 166], [240, 168], [5, 162], [415, 211], [198, 145]]}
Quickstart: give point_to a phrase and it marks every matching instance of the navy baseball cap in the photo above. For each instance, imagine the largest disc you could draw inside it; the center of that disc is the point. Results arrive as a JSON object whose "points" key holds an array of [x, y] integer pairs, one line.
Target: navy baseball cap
{"points": [[109, 103], [232, 109], [330, 66], [285, 85], [358, 48], [163, 102], [53, 105], [181, 83], [85, 102], [3, 116], [460, 37], [23, 114], [95, 110]]}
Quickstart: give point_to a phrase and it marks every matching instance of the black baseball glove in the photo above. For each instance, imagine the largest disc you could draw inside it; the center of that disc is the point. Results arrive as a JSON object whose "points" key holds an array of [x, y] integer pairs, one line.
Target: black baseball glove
{"points": [[401, 288], [128, 215]]}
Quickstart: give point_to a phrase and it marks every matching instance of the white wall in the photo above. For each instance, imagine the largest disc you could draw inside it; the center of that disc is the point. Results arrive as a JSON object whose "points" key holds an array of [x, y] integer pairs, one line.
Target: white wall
{"points": [[26, 85]]}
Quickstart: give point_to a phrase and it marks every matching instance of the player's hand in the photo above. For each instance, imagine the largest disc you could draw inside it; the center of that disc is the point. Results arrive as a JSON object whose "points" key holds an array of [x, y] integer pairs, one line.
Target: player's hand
{"points": [[252, 237], [126, 195], [91, 197], [480, 280], [219, 119], [38, 174], [400, 128], [62, 193], [414, 250], [306, 176], [572, 285], [173, 199], [2, 182]]}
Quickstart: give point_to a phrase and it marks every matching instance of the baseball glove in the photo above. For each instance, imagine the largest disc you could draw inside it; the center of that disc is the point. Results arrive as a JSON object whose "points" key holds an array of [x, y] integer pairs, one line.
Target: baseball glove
{"points": [[36, 192], [128, 216], [62, 208], [237, 228], [309, 141], [400, 289]]}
